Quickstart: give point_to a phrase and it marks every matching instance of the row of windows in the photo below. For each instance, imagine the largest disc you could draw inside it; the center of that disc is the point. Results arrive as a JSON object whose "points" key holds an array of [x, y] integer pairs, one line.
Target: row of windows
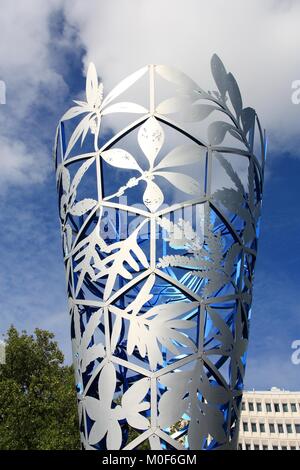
{"points": [[281, 428], [265, 447], [269, 407]]}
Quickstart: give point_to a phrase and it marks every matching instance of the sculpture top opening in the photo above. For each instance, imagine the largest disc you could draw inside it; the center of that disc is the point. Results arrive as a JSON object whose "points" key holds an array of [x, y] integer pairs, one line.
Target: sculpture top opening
{"points": [[160, 187]]}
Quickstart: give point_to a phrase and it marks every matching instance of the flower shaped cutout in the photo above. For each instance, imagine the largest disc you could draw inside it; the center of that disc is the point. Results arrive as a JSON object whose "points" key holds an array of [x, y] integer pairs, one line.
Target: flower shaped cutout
{"points": [[96, 106], [106, 415], [151, 139]]}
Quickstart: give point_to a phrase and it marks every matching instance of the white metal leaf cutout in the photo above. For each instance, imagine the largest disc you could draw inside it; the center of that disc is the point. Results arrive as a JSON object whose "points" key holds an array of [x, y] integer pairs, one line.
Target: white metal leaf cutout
{"points": [[67, 202], [132, 404], [102, 413], [196, 112], [83, 104], [181, 235], [94, 353], [175, 104], [119, 254], [114, 436], [235, 94], [248, 119], [124, 85], [185, 183], [63, 206], [121, 159], [84, 354], [231, 345], [116, 331], [91, 84], [230, 172], [143, 296], [206, 421], [106, 418], [66, 179], [220, 74], [235, 199], [85, 252], [176, 76], [151, 139], [183, 155], [160, 325], [80, 129], [153, 196], [206, 261], [217, 131], [183, 389], [74, 112], [83, 206], [80, 173], [185, 108], [68, 237]]}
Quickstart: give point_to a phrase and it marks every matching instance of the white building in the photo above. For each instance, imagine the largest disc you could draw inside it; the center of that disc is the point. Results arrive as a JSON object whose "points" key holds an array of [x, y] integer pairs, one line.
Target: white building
{"points": [[270, 420]]}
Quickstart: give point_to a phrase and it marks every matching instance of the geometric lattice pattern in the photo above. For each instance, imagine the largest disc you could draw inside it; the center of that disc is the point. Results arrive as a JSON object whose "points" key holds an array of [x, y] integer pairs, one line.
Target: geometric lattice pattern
{"points": [[159, 202]]}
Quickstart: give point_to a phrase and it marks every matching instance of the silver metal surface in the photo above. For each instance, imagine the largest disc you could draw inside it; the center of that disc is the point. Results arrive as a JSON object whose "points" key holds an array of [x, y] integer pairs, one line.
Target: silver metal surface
{"points": [[159, 223]]}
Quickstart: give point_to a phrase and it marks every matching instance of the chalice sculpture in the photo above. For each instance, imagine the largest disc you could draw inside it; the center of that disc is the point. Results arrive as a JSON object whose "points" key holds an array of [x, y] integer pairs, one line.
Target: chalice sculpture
{"points": [[159, 202]]}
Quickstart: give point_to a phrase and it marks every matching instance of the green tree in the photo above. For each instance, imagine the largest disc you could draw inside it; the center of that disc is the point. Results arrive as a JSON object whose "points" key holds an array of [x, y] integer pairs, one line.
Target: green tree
{"points": [[38, 408]]}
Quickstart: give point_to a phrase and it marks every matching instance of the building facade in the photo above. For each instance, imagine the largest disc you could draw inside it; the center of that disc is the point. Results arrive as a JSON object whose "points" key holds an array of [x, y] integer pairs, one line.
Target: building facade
{"points": [[270, 420]]}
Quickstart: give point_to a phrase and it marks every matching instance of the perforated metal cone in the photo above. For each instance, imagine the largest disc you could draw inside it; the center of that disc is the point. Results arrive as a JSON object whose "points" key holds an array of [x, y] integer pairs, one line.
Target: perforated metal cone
{"points": [[159, 206]]}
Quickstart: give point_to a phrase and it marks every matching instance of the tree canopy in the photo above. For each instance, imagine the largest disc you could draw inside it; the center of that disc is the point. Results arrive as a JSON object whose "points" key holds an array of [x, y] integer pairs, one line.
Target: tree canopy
{"points": [[38, 408]]}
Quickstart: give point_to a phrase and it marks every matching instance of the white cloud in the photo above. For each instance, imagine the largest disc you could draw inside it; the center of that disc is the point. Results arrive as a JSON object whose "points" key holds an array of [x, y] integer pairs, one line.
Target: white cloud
{"points": [[24, 43], [258, 41], [26, 69], [19, 166]]}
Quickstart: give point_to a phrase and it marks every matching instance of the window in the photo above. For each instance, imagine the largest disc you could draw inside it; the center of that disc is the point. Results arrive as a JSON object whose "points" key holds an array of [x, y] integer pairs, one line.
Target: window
{"points": [[275, 447], [250, 405], [293, 447], [262, 427], [276, 407], [253, 427], [243, 406], [265, 447], [293, 407], [248, 446], [280, 428], [283, 447], [245, 427], [297, 428], [272, 428], [256, 447], [258, 407], [240, 446], [268, 407], [289, 428], [285, 407]]}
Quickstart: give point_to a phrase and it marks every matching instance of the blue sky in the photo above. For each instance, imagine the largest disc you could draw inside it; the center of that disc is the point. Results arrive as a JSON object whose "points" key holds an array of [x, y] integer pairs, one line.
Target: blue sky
{"points": [[44, 69]]}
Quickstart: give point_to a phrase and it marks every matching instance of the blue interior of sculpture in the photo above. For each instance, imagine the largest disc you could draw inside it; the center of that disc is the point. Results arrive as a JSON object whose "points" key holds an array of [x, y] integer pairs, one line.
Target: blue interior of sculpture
{"points": [[159, 231]]}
